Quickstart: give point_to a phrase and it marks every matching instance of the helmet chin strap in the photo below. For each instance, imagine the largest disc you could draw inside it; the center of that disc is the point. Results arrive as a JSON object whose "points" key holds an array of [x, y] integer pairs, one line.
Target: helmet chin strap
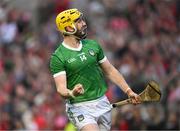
{"points": [[80, 38], [77, 38]]}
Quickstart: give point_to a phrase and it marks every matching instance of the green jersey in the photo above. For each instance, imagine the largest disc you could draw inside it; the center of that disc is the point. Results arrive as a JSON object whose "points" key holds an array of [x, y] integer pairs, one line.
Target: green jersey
{"points": [[81, 65]]}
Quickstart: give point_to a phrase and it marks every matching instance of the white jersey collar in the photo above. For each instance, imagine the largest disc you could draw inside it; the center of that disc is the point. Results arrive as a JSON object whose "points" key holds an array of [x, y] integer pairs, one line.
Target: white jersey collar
{"points": [[71, 48]]}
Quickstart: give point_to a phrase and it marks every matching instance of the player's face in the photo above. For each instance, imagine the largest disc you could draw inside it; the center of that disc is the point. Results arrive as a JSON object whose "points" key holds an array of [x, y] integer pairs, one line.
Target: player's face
{"points": [[81, 28]]}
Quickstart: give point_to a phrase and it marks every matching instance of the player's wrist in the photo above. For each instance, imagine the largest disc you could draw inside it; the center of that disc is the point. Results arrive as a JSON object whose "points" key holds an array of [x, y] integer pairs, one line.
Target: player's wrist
{"points": [[70, 93], [129, 91]]}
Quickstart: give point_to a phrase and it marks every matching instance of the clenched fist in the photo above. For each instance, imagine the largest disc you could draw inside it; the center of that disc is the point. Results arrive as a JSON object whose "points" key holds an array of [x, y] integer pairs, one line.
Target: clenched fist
{"points": [[78, 90], [135, 99]]}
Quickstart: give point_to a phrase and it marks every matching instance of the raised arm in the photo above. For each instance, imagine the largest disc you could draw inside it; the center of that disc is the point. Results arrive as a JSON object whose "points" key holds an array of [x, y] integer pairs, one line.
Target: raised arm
{"points": [[116, 77]]}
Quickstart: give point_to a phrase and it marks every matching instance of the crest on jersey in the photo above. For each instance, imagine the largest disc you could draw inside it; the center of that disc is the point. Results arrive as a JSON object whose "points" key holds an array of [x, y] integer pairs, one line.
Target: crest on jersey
{"points": [[91, 52]]}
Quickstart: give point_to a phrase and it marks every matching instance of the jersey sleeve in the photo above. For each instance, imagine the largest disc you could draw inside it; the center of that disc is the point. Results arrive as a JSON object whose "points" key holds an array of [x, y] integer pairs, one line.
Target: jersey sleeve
{"points": [[56, 66], [100, 56]]}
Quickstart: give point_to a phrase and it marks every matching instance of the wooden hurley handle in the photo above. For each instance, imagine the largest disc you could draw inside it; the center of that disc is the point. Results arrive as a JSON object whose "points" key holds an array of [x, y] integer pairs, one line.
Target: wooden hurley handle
{"points": [[124, 102]]}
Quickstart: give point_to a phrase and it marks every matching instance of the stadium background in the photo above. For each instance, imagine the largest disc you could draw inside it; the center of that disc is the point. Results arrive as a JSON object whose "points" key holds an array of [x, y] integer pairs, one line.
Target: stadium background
{"points": [[140, 37]]}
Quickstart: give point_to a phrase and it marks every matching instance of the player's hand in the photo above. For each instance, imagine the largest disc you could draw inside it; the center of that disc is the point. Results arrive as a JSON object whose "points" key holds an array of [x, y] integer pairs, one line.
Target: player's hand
{"points": [[78, 90], [135, 98]]}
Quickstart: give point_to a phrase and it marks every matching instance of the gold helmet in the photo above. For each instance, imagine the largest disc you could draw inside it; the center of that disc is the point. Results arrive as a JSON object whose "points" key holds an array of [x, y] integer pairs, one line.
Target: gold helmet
{"points": [[67, 18]]}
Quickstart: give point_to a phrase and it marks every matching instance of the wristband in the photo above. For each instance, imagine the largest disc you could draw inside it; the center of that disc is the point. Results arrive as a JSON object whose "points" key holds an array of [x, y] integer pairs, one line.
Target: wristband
{"points": [[127, 90], [71, 93]]}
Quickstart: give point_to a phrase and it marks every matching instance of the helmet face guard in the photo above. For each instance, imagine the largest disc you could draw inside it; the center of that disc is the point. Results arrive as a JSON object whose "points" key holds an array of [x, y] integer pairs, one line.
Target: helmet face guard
{"points": [[81, 34], [68, 18]]}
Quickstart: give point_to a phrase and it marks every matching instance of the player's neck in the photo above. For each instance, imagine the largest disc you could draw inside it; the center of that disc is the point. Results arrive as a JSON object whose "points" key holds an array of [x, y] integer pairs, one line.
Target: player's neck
{"points": [[71, 41]]}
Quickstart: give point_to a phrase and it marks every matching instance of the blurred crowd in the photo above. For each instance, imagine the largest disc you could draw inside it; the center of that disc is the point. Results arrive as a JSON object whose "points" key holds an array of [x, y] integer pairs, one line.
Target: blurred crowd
{"points": [[141, 39]]}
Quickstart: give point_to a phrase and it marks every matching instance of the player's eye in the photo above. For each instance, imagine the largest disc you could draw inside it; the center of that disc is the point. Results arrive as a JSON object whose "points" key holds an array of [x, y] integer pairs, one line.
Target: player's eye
{"points": [[80, 19]]}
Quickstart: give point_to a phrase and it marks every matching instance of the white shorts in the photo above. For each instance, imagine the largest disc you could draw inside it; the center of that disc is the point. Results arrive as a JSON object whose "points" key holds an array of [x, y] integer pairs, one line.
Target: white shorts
{"points": [[91, 112]]}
